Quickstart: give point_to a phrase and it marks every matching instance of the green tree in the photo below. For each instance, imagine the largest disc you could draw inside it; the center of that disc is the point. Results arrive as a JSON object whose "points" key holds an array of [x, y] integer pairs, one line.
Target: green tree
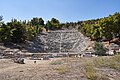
{"points": [[37, 22], [99, 49], [116, 24], [4, 32], [95, 32], [18, 35], [30, 32], [54, 24], [1, 18], [106, 25]]}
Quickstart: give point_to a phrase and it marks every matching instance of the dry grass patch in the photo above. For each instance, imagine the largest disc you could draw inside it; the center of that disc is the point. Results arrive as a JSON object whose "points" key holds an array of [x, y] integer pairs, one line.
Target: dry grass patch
{"points": [[61, 70], [101, 62], [90, 72], [55, 63], [112, 62], [116, 58]]}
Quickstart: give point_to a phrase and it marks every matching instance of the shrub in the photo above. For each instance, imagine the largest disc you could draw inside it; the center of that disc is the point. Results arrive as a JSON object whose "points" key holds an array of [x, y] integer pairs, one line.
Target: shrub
{"points": [[99, 49]]}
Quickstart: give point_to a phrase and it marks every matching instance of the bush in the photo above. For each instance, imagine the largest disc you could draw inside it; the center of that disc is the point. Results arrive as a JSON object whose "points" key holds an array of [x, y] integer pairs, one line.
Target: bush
{"points": [[99, 49]]}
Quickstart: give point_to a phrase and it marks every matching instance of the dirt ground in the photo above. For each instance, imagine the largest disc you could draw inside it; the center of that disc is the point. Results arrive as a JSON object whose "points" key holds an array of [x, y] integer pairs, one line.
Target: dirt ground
{"points": [[53, 69]]}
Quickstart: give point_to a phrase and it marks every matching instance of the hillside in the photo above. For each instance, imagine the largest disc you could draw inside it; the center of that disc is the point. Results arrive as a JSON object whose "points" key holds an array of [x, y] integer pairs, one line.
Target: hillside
{"points": [[100, 29], [34, 39], [59, 41]]}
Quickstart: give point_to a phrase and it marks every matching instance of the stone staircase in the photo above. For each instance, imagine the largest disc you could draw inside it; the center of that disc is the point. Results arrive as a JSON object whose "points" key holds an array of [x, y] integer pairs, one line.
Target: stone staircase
{"points": [[59, 41]]}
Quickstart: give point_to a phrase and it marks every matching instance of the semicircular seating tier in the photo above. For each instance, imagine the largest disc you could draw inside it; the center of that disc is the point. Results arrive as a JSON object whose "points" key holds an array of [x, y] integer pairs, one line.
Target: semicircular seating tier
{"points": [[60, 41]]}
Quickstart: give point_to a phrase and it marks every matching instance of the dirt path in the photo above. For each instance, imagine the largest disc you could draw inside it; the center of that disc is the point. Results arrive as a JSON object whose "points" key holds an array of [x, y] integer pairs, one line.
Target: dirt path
{"points": [[68, 69], [28, 63]]}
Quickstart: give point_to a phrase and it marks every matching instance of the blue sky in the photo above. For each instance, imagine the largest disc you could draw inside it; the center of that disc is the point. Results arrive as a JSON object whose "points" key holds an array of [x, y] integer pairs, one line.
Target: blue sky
{"points": [[63, 10]]}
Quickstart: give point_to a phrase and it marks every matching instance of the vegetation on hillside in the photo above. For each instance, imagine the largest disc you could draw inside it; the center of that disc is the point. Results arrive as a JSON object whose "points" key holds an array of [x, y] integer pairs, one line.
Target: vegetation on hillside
{"points": [[19, 31], [98, 29], [104, 28]]}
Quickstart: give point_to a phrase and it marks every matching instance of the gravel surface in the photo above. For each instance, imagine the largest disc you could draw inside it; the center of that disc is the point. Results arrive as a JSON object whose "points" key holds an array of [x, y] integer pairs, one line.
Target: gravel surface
{"points": [[69, 69]]}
